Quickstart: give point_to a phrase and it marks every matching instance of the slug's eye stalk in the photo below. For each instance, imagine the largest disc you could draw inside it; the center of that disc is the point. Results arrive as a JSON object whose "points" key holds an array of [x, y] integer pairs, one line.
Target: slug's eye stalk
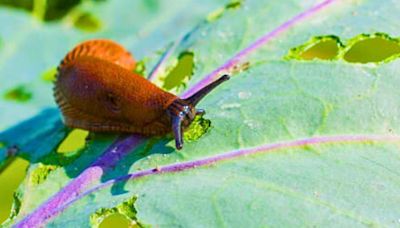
{"points": [[182, 114], [195, 98], [183, 111], [177, 129]]}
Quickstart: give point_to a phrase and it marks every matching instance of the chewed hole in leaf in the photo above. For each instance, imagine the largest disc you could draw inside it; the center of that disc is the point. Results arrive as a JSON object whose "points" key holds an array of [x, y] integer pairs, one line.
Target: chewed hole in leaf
{"points": [[40, 174], [197, 129], [120, 216], [183, 70], [365, 48], [117, 220], [20, 93], [140, 68], [21, 4], [234, 5], [74, 142], [87, 22], [10, 178], [213, 16], [372, 49], [47, 10], [323, 47], [49, 75], [57, 9]]}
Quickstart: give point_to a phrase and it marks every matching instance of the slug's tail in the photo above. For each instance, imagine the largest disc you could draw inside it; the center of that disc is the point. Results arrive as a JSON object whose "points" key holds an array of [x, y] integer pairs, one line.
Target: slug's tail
{"points": [[103, 49]]}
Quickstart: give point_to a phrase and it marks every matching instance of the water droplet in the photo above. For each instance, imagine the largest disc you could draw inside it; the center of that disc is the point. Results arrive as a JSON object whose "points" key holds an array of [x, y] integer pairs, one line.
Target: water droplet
{"points": [[230, 106], [252, 124], [115, 149], [221, 35], [244, 95]]}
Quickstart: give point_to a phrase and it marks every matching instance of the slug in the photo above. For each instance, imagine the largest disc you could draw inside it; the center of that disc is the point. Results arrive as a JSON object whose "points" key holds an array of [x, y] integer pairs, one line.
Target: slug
{"points": [[97, 90]]}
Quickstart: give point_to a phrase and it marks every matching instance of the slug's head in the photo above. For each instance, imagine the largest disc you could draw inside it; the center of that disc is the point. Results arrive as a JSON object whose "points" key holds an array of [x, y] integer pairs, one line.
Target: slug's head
{"points": [[182, 111]]}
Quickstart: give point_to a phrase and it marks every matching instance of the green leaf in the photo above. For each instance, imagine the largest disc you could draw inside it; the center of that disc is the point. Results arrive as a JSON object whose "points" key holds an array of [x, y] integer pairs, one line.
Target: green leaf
{"points": [[334, 126]]}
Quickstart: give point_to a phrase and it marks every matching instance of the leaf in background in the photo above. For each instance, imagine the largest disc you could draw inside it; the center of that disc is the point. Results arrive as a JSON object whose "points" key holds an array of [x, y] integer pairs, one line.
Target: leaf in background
{"points": [[30, 48], [276, 100]]}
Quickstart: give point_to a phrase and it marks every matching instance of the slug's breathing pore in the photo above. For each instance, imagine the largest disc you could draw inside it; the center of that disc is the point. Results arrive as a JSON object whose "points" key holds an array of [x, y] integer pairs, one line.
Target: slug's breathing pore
{"points": [[97, 90]]}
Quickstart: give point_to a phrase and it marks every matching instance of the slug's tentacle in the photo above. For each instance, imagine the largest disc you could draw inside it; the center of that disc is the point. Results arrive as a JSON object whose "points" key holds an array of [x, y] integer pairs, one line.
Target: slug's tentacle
{"points": [[181, 115], [195, 98], [177, 130]]}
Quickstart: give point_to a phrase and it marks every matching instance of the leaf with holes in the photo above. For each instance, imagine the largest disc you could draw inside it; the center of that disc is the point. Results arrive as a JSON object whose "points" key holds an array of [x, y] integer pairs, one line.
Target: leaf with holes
{"points": [[295, 139]]}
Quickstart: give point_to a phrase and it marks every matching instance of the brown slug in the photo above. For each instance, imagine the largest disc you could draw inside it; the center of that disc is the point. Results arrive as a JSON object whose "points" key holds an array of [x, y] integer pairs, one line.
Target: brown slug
{"points": [[97, 90]]}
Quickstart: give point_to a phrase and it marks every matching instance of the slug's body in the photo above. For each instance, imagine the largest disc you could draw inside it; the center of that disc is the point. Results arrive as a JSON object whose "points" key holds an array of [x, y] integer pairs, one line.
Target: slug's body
{"points": [[97, 90]]}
